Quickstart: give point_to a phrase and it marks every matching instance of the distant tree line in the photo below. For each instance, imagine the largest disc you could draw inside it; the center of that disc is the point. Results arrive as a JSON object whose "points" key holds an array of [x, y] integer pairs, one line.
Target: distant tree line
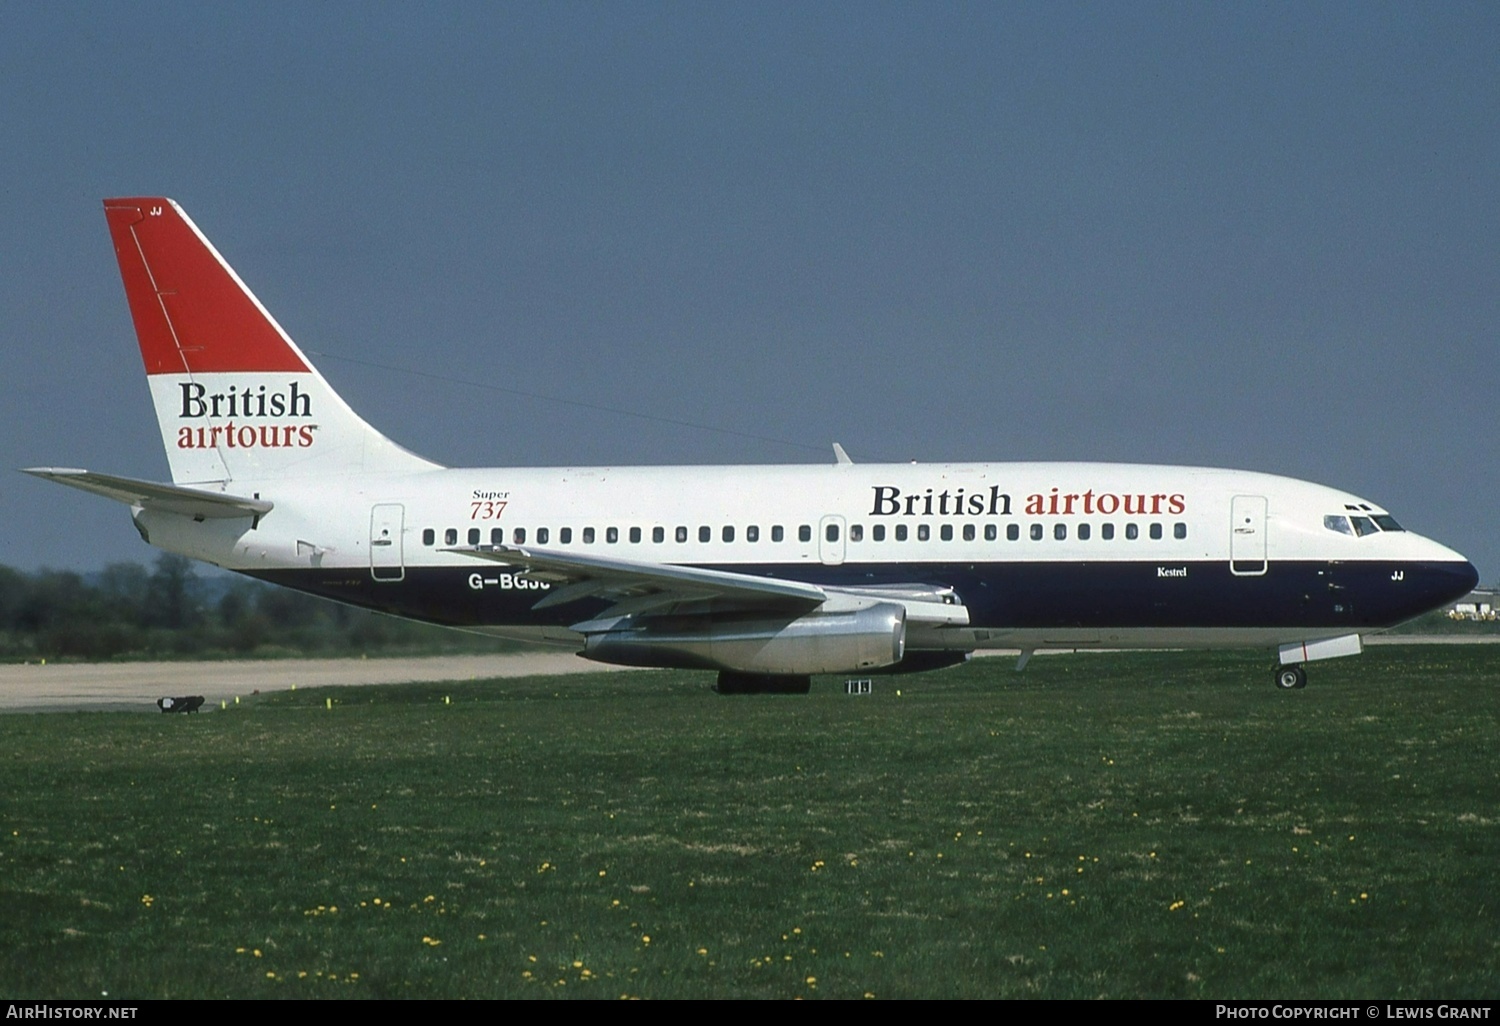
{"points": [[128, 611]]}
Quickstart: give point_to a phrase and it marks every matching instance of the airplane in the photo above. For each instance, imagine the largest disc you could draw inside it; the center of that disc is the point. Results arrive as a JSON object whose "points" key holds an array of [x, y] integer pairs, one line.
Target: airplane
{"points": [[765, 574]]}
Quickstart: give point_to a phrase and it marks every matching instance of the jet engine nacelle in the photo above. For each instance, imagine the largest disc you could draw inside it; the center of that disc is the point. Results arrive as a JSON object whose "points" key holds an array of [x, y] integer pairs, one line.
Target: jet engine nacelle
{"points": [[836, 642]]}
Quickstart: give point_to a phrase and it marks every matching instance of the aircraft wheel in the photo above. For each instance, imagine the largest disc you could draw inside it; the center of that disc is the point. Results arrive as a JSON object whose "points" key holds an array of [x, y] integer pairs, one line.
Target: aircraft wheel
{"points": [[731, 683], [1290, 678]]}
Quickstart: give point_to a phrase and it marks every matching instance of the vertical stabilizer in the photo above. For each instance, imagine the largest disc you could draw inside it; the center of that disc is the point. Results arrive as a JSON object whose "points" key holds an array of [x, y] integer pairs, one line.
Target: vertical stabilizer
{"points": [[235, 397]]}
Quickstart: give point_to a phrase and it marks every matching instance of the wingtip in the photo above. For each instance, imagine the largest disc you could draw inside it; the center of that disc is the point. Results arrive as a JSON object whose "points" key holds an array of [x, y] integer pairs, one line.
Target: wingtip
{"points": [[53, 471]]}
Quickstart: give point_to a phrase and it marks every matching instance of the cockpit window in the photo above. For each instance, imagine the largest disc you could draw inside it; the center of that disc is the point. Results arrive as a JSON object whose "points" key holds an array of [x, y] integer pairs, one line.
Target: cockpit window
{"points": [[1372, 524], [1339, 524]]}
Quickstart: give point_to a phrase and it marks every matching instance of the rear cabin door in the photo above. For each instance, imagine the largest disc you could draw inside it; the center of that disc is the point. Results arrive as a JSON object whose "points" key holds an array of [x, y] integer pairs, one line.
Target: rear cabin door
{"points": [[386, 522], [1247, 535]]}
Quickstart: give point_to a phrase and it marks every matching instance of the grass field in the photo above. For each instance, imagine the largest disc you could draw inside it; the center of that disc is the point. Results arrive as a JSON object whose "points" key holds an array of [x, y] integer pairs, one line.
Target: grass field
{"points": [[1147, 825]]}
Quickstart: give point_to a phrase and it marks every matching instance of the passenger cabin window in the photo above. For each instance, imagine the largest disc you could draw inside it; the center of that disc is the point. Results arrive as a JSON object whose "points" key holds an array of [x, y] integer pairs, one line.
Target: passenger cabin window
{"points": [[968, 532], [520, 536], [1083, 532], [752, 533], [588, 536], [1132, 532], [473, 536], [831, 532], [497, 535], [804, 533], [658, 534], [1107, 532], [923, 532], [728, 533], [611, 535], [945, 532], [705, 533], [450, 536], [565, 535], [877, 533], [901, 532], [856, 532], [1156, 532], [681, 534], [991, 532], [635, 536], [1060, 532], [1012, 532], [777, 534], [1179, 531], [429, 536], [1036, 532], [542, 534]]}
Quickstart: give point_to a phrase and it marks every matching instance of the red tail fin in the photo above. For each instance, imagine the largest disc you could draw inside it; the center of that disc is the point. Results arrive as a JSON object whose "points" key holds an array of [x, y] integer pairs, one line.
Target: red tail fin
{"points": [[192, 313], [235, 398]]}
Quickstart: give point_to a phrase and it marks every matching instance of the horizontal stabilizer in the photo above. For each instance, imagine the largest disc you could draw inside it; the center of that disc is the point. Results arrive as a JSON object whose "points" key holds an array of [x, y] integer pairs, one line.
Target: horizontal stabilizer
{"points": [[189, 502]]}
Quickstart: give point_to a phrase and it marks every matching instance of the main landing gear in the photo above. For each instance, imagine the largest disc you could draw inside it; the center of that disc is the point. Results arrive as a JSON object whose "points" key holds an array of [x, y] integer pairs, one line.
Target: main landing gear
{"points": [[1290, 678], [732, 683]]}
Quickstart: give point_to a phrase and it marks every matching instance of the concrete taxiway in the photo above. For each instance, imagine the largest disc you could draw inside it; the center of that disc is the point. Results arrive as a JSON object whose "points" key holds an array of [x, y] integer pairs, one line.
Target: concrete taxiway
{"points": [[123, 686], [55, 687]]}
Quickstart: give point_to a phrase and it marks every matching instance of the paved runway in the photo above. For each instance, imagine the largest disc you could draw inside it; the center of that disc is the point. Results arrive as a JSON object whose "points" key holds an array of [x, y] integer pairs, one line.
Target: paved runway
{"points": [[98, 686]]}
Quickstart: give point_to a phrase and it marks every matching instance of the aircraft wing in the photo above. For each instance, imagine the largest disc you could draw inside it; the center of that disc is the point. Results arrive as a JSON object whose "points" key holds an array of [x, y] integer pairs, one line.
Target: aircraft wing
{"points": [[636, 587], [192, 502], [645, 585]]}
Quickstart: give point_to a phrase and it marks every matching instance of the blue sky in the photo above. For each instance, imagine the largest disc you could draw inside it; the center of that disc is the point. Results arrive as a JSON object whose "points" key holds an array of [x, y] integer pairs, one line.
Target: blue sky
{"points": [[1252, 235]]}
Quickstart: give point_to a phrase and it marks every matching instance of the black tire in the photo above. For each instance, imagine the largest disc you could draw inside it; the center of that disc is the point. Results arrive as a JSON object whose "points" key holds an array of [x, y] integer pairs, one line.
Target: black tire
{"points": [[732, 683], [1291, 678]]}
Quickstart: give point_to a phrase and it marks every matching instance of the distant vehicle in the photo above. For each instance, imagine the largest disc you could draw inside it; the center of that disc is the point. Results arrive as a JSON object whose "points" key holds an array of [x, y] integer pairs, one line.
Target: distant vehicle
{"points": [[1472, 611], [767, 574]]}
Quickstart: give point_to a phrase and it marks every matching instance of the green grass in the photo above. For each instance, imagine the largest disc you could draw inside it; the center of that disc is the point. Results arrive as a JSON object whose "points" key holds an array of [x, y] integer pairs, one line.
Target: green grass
{"points": [[1163, 825]]}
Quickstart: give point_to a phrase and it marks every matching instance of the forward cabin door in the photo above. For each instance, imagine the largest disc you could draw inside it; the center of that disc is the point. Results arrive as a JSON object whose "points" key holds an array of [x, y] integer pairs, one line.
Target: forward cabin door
{"points": [[1247, 535], [386, 522]]}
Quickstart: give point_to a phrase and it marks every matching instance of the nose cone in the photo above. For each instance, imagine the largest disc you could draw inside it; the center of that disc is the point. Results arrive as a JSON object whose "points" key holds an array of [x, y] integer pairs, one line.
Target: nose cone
{"points": [[1430, 576], [1464, 580], [1438, 584], [1446, 575]]}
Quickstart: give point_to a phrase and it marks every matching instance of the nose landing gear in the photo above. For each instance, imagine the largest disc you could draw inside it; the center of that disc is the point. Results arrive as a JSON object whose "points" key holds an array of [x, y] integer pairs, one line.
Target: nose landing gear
{"points": [[1290, 678]]}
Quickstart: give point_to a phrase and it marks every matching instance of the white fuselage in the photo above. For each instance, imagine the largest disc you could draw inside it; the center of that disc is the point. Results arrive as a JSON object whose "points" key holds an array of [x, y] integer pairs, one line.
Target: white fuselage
{"points": [[1140, 537]]}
